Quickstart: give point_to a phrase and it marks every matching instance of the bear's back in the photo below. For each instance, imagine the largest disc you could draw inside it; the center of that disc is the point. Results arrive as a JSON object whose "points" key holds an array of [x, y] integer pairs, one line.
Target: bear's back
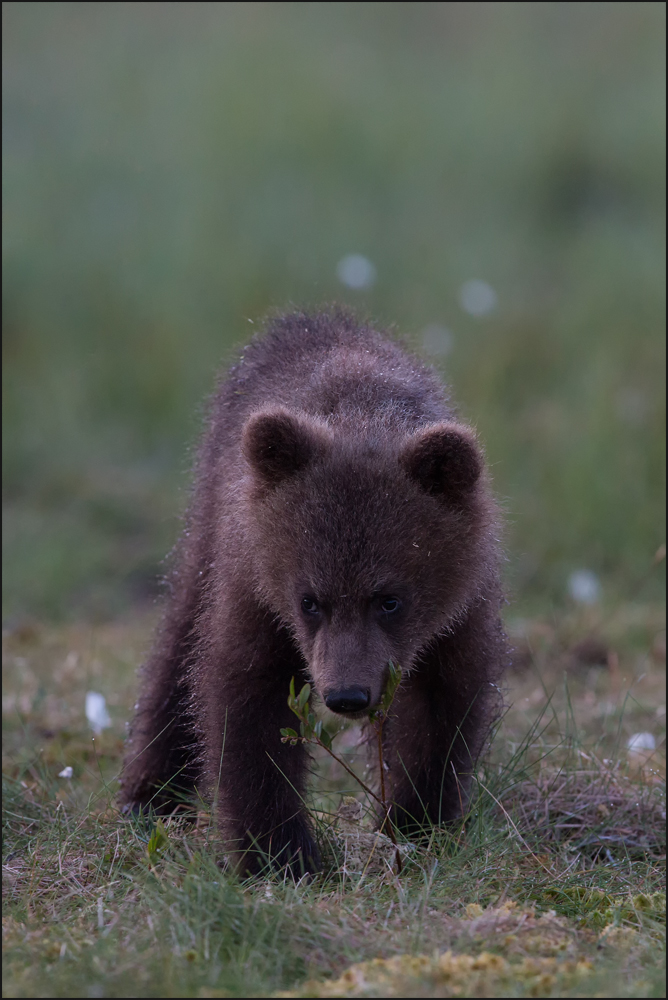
{"points": [[331, 366]]}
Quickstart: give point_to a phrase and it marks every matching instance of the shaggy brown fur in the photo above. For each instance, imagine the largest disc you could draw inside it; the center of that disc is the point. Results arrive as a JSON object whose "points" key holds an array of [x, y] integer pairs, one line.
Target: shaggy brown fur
{"points": [[341, 519]]}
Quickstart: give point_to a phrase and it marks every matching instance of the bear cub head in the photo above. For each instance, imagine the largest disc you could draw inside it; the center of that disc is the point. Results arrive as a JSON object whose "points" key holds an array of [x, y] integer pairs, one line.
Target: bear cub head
{"points": [[366, 544]]}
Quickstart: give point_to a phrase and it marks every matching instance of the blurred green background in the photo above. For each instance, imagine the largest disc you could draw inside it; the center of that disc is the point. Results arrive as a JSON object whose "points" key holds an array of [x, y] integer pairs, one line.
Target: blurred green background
{"points": [[174, 170]]}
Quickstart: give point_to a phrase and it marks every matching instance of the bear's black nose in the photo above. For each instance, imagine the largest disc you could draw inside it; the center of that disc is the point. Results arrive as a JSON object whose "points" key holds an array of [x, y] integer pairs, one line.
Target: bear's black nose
{"points": [[348, 700]]}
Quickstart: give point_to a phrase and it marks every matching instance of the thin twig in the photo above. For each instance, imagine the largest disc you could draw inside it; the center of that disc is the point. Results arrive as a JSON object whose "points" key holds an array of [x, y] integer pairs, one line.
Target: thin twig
{"points": [[310, 734], [385, 807], [348, 769]]}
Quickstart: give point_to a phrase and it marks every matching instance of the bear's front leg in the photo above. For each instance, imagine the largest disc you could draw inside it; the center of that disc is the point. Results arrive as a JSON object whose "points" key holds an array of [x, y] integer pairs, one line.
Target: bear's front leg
{"points": [[440, 722], [256, 781], [428, 757]]}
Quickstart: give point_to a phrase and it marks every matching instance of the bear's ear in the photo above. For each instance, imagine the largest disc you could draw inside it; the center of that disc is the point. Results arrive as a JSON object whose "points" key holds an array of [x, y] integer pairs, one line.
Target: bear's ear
{"points": [[277, 444], [444, 459]]}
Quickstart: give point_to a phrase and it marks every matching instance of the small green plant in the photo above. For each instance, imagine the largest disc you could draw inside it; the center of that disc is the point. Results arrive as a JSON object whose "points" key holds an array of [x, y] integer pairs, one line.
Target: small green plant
{"points": [[311, 730], [157, 842]]}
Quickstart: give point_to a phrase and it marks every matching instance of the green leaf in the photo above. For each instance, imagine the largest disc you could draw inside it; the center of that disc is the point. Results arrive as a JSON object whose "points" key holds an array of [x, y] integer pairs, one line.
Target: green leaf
{"points": [[293, 701], [290, 733], [157, 841], [304, 696], [317, 729], [393, 682], [326, 739]]}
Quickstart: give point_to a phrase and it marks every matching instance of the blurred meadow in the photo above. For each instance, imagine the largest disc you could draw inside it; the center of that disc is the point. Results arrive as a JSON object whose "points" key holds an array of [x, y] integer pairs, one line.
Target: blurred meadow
{"points": [[173, 171], [487, 179]]}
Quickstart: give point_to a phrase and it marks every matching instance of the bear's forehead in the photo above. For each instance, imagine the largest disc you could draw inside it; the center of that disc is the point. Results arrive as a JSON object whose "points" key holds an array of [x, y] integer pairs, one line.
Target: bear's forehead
{"points": [[350, 580], [356, 508], [354, 539]]}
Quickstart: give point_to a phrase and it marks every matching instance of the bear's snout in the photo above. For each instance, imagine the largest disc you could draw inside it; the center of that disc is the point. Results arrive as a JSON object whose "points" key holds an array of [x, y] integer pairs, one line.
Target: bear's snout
{"points": [[348, 700]]}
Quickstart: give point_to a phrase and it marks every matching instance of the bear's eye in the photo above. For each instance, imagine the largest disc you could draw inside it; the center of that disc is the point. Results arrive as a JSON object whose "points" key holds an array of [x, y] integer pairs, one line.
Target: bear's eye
{"points": [[389, 605], [310, 606]]}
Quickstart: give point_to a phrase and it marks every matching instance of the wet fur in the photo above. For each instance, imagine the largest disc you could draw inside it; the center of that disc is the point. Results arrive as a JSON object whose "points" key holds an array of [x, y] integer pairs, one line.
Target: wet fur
{"points": [[332, 462]]}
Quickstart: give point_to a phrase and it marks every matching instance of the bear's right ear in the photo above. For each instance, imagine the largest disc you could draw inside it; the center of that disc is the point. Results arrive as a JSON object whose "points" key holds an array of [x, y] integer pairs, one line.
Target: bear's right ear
{"points": [[445, 459], [277, 444]]}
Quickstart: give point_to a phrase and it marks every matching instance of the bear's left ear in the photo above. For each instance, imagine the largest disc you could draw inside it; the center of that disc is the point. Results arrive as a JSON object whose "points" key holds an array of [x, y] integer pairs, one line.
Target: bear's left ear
{"points": [[444, 459], [278, 443]]}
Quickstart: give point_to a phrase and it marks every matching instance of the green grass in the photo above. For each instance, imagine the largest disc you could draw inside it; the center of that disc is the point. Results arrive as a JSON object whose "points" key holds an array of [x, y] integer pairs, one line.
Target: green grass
{"points": [[172, 172], [559, 872]]}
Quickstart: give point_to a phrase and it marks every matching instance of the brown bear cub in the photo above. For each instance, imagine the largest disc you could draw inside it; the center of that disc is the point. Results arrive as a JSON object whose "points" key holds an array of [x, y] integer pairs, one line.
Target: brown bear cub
{"points": [[341, 519]]}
